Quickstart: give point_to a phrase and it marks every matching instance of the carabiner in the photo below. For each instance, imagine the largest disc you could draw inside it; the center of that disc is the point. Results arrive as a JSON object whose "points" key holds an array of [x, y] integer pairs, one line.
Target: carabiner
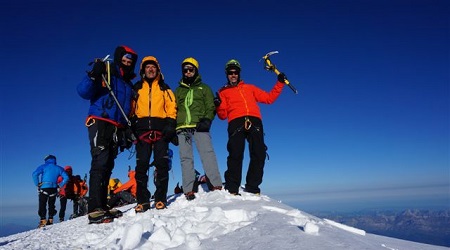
{"points": [[247, 123], [89, 122]]}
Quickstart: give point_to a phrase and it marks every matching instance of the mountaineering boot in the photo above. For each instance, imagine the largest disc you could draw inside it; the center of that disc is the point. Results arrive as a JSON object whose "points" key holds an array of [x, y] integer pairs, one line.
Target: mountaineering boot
{"points": [[116, 213], [161, 205], [42, 223], [100, 216], [190, 196], [251, 191], [50, 221], [140, 208]]}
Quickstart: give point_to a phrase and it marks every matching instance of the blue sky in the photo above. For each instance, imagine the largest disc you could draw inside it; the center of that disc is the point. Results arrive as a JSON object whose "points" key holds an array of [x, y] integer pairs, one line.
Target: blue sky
{"points": [[370, 123]]}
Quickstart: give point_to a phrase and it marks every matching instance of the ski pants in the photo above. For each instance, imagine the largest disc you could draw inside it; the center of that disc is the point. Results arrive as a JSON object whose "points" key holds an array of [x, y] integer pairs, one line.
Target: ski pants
{"points": [[161, 179], [103, 142], [47, 196], [202, 140], [237, 135]]}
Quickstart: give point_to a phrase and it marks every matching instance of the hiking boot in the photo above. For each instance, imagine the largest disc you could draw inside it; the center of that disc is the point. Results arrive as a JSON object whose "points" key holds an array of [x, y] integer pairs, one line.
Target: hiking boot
{"points": [[61, 219], [42, 223], [140, 208], [50, 221], [190, 196], [161, 205], [100, 216], [116, 213], [251, 191]]}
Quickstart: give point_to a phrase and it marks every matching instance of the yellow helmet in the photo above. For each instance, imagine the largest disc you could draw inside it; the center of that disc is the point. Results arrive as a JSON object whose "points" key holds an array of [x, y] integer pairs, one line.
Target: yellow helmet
{"points": [[114, 183], [192, 61]]}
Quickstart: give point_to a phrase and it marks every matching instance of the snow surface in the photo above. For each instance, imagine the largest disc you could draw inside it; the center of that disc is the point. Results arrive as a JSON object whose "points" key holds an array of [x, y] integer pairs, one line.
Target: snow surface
{"points": [[214, 220]]}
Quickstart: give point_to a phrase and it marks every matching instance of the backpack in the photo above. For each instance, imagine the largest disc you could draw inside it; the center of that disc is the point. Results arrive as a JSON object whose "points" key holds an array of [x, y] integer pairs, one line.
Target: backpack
{"points": [[75, 188], [83, 188]]}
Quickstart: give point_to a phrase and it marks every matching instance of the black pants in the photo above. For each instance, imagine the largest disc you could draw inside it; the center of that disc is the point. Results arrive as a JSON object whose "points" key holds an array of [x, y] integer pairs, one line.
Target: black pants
{"points": [[121, 198], [237, 135], [47, 196], [161, 180], [102, 138], [63, 204]]}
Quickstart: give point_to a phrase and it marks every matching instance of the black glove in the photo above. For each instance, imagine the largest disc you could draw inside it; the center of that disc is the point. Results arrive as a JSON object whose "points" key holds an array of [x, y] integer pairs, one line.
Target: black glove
{"points": [[169, 130], [217, 100], [282, 77], [97, 71], [203, 125], [126, 138], [174, 140]]}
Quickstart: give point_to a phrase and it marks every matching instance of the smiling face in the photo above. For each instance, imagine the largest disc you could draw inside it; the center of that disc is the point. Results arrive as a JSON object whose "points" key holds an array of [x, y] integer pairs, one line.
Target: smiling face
{"points": [[151, 71], [233, 76]]}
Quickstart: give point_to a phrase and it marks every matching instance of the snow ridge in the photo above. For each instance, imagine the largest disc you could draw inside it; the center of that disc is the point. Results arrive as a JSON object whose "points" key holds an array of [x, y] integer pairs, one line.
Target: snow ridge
{"points": [[214, 220]]}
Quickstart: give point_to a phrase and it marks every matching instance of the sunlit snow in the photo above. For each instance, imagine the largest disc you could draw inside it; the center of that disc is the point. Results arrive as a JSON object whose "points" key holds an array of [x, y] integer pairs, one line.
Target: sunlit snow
{"points": [[214, 220]]}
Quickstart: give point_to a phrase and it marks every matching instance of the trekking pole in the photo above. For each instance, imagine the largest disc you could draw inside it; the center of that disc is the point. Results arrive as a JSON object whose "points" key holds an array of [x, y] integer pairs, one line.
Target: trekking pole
{"points": [[111, 92], [271, 67]]}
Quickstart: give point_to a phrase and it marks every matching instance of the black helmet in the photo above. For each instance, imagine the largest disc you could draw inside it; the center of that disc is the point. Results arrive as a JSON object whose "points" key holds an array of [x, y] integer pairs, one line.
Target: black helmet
{"points": [[233, 64]]}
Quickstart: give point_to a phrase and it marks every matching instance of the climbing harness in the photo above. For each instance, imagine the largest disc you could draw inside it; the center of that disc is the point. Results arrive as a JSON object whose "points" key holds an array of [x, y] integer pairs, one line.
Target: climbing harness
{"points": [[151, 136]]}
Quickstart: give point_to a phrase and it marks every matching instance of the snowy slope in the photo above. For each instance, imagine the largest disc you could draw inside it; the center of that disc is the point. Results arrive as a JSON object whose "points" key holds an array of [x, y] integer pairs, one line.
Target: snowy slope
{"points": [[215, 220]]}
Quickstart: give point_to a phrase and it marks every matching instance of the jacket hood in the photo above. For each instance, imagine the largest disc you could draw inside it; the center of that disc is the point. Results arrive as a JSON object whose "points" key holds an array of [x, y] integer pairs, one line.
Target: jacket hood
{"points": [[131, 174], [50, 159], [123, 50], [146, 60], [127, 72]]}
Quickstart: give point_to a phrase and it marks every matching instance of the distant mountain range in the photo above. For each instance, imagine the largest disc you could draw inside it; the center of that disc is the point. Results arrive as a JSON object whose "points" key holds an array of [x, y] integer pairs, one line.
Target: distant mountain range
{"points": [[425, 226]]}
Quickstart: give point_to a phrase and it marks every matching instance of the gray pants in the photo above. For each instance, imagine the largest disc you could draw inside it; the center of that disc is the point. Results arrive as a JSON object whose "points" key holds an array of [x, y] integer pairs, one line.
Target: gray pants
{"points": [[205, 149]]}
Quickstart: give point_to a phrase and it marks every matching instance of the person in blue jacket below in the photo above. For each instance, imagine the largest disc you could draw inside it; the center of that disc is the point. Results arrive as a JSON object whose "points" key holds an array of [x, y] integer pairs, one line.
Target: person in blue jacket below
{"points": [[107, 123], [45, 178]]}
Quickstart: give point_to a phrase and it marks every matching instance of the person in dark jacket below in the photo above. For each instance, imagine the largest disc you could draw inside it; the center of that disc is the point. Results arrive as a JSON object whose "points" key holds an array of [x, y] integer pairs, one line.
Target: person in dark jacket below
{"points": [[238, 102], [45, 177], [154, 122], [196, 110], [106, 123]]}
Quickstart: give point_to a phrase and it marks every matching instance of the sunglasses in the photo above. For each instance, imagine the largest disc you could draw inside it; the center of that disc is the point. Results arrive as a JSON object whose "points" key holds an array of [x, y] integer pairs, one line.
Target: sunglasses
{"points": [[188, 69], [232, 73]]}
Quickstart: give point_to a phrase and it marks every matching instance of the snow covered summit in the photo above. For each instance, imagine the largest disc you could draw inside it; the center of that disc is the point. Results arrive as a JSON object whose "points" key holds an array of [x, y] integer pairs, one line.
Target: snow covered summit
{"points": [[214, 220]]}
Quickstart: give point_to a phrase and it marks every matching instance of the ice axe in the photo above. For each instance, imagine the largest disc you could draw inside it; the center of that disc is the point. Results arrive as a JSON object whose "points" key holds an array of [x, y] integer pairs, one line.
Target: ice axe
{"points": [[106, 60], [107, 81], [271, 67], [111, 92]]}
